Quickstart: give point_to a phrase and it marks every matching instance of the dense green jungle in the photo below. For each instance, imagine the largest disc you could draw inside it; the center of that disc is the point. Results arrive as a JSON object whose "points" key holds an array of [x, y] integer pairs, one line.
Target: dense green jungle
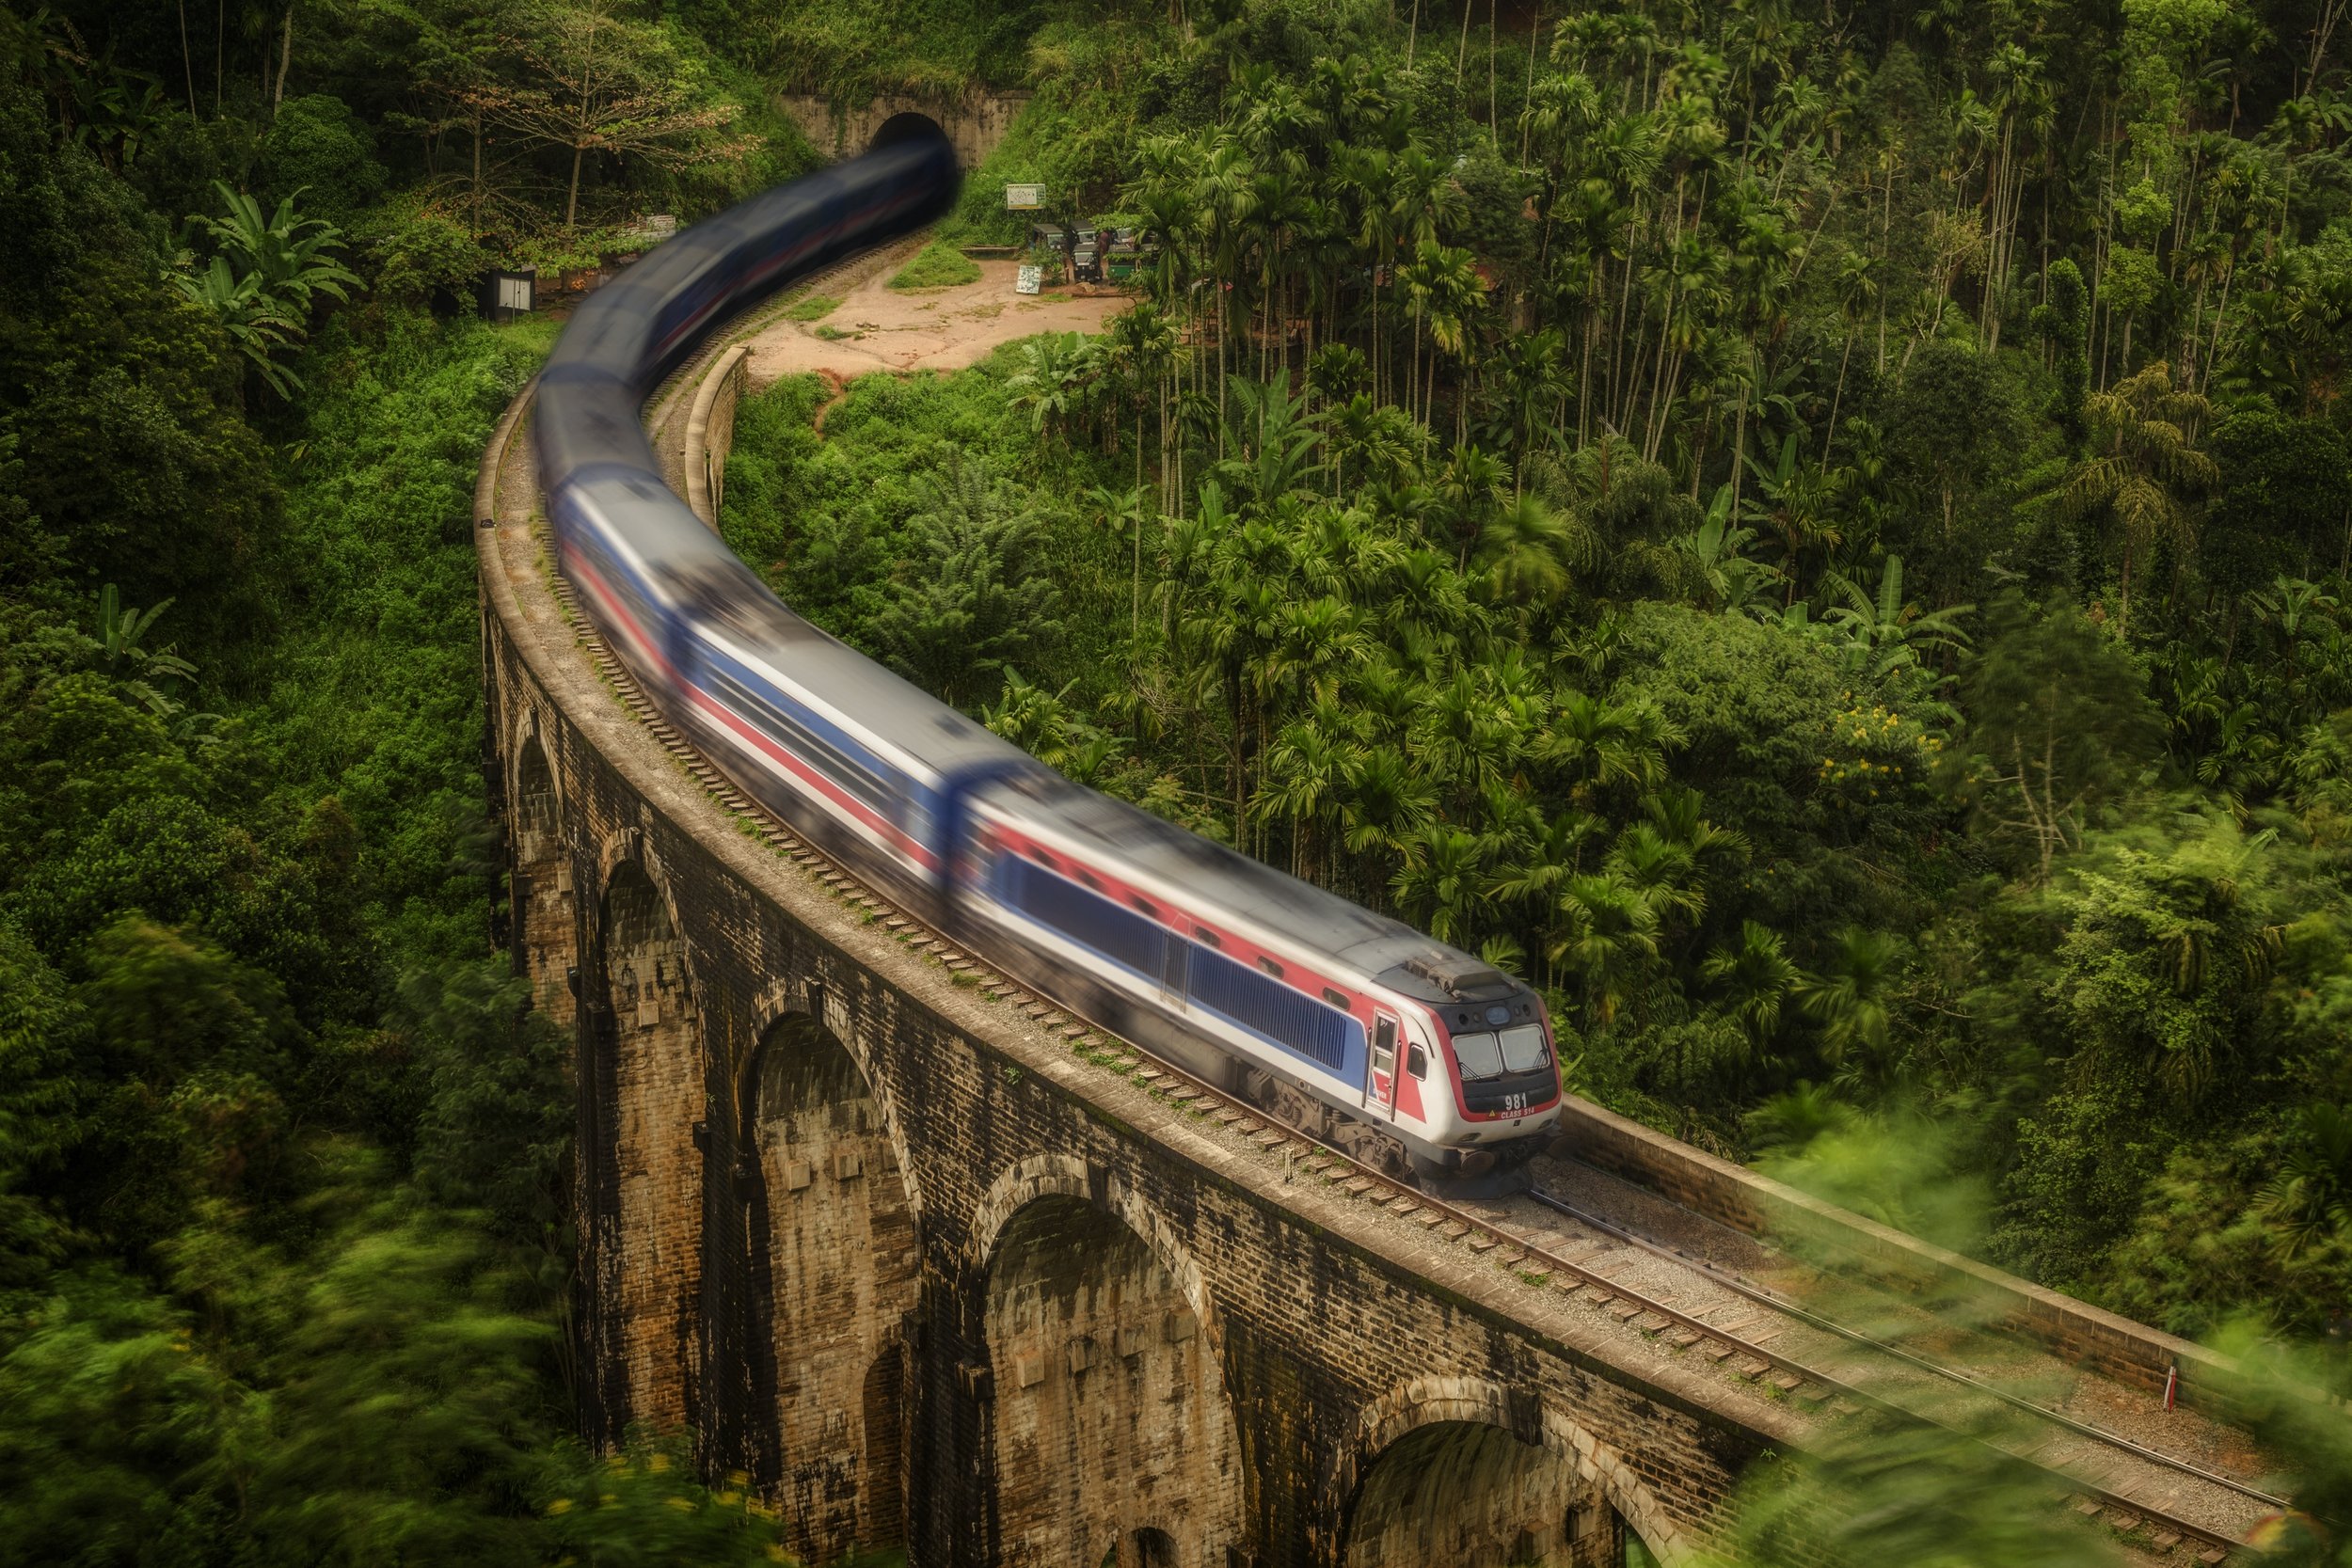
{"points": [[1821, 534]]}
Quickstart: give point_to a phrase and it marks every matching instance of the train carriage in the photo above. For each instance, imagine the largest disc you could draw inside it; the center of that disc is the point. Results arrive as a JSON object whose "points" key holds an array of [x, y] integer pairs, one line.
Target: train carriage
{"points": [[1343, 1023]]}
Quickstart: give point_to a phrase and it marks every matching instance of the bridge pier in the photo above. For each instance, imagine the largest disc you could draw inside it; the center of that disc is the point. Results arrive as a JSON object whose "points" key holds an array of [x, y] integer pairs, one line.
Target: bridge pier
{"points": [[834, 1270], [1468, 1474], [545, 925], [1109, 1435], [643, 1226]]}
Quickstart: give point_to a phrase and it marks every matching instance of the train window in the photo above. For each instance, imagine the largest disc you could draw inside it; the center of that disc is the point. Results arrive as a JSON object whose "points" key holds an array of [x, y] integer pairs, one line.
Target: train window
{"points": [[1087, 876], [1335, 998], [1416, 1062], [1524, 1048], [1239, 992], [1087, 919], [1479, 1055], [1140, 901], [1270, 966], [1383, 1044], [1203, 934]]}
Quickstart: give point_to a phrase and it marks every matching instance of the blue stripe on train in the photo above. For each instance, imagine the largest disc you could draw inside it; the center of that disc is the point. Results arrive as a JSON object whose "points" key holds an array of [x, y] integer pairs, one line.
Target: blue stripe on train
{"points": [[1321, 1036]]}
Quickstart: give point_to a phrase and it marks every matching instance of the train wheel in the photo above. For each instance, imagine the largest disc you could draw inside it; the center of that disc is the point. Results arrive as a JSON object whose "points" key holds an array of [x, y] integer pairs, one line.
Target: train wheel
{"points": [[1301, 1111], [1426, 1170]]}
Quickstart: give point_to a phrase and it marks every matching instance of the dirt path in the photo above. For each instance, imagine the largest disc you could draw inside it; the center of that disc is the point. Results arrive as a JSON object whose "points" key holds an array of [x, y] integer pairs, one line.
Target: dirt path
{"points": [[937, 330]]}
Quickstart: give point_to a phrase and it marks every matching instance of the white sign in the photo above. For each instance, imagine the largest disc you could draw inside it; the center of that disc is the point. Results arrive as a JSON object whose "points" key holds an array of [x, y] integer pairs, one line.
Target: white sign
{"points": [[514, 292], [1022, 199], [1029, 279]]}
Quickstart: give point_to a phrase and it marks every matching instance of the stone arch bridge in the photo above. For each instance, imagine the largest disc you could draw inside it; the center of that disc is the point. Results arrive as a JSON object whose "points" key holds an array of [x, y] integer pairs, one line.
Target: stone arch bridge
{"points": [[943, 1270]]}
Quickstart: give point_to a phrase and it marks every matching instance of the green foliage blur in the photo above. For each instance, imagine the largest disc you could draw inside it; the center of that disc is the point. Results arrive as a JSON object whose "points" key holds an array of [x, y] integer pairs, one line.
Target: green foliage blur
{"points": [[285, 1249]]}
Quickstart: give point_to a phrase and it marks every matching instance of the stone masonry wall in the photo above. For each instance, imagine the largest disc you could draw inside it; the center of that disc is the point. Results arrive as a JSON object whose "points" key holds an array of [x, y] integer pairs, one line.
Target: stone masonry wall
{"points": [[842, 1267], [1109, 1418]]}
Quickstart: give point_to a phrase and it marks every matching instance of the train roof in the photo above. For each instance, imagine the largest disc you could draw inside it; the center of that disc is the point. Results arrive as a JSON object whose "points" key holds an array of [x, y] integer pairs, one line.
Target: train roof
{"points": [[737, 606], [1405, 961]]}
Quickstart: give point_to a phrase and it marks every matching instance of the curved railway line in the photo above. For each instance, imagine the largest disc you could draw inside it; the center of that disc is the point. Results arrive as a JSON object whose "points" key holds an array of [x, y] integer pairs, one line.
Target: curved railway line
{"points": [[2162, 1504]]}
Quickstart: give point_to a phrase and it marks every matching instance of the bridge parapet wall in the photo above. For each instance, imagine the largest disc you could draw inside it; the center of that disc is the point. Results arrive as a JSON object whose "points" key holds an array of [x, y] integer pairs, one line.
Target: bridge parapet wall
{"points": [[2115, 1347]]}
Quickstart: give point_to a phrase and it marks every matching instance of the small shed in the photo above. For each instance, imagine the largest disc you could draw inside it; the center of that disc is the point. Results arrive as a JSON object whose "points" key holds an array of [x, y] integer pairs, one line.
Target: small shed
{"points": [[501, 296]]}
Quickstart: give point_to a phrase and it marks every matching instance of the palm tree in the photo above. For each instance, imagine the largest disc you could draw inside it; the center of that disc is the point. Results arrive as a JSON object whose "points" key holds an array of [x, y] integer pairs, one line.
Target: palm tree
{"points": [[1442, 884], [1661, 872], [1857, 286], [1797, 502], [1608, 934], [2145, 459], [1534, 369], [1464, 736], [1529, 550], [1123, 514], [1756, 977], [1301, 785], [1847, 1001], [1596, 745], [1387, 802]]}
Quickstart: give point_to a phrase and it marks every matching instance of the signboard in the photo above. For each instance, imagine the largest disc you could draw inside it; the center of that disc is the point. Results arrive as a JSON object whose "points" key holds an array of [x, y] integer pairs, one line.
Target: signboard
{"points": [[1024, 198], [1028, 280]]}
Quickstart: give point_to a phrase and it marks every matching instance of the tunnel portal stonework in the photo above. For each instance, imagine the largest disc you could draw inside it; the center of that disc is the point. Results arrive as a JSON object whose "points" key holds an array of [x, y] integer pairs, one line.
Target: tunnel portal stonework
{"points": [[931, 1276]]}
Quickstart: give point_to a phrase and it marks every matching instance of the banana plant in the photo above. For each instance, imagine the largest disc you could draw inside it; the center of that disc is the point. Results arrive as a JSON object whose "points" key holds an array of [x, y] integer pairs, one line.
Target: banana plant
{"points": [[255, 322]]}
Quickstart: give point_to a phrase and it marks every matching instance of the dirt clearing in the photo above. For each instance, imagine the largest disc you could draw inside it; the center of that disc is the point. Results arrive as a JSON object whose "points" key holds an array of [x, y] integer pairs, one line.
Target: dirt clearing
{"points": [[879, 328]]}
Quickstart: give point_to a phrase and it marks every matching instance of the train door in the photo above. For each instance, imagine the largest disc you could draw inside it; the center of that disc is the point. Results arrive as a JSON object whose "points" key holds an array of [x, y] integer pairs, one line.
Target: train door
{"points": [[1175, 968], [1380, 1072]]}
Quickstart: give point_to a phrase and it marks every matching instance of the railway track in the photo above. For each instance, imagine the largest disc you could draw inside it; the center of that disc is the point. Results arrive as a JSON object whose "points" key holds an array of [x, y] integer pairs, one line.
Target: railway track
{"points": [[2162, 1504]]}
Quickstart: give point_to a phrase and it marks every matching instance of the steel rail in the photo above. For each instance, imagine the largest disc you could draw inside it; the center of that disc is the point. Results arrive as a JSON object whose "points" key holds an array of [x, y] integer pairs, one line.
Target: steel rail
{"points": [[1765, 1296]]}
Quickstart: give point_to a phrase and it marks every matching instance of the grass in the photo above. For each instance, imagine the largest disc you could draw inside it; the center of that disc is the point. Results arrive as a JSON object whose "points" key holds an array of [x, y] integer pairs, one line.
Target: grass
{"points": [[835, 333], [814, 308], [940, 266]]}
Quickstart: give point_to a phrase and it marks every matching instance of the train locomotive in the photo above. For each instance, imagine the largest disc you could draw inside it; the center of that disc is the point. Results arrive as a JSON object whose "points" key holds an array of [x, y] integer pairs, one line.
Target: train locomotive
{"points": [[1416, 1058]]}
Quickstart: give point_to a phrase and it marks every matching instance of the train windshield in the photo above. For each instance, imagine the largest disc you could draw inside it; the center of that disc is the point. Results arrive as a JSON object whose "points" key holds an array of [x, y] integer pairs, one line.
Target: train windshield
{"points": [[1479, 1056], [1524, 1048], [1520, 1050]]}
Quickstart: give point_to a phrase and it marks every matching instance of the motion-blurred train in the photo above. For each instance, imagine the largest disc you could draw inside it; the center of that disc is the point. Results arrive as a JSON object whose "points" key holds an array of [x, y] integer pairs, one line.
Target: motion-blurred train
{"points": [[1359, 1029]]}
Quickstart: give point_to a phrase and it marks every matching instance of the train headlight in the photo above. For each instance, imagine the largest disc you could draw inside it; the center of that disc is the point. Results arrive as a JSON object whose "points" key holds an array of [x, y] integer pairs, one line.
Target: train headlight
{"points": [[1498, 1014]]}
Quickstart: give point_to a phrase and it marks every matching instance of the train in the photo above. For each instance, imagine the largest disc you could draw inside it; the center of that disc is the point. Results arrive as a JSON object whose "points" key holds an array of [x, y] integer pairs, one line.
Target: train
{"points": [[1424, 1061]]}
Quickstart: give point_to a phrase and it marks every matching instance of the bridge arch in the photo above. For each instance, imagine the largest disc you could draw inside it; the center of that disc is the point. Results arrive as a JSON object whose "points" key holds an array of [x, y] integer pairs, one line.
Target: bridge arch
{"points": [[646, 1058], [1448, 1469], [1108, 1433], [546, 922], [836, 1268]]}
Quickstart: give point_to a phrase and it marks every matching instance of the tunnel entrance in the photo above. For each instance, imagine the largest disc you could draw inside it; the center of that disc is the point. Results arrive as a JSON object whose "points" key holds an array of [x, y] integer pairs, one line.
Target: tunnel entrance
{"points": [[1470, 1493], [1109, 1423], [907, 125], [839, 1251]]}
